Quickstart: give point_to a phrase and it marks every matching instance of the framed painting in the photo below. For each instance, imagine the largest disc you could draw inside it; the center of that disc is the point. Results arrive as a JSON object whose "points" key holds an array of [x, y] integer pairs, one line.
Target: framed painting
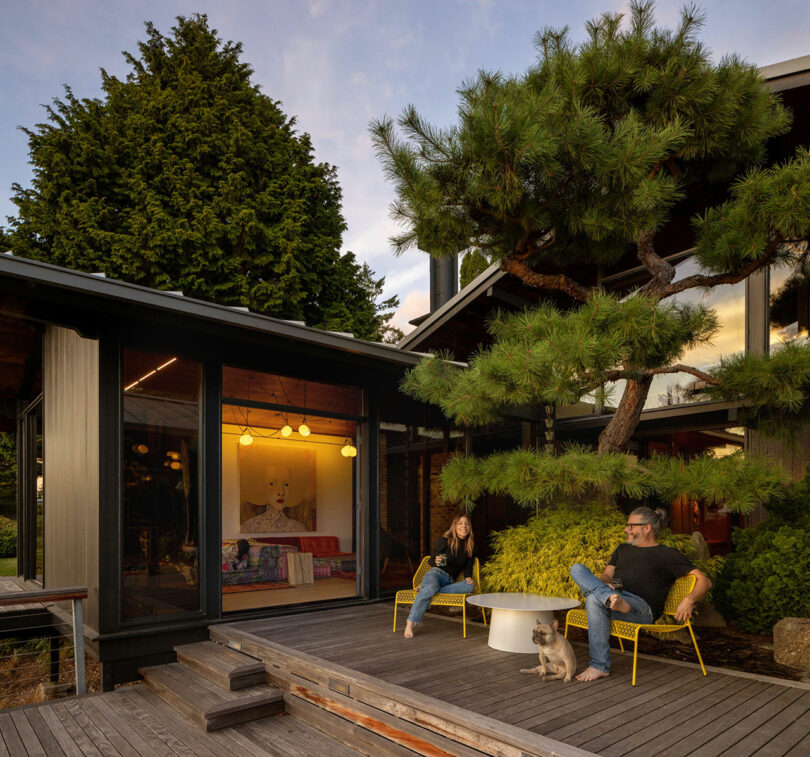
{"points": [[276, 488]]}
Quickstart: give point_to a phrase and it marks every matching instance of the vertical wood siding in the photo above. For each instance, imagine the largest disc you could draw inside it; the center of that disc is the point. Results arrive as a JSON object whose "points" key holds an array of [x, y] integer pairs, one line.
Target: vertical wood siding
{"points": [[71, 424]]}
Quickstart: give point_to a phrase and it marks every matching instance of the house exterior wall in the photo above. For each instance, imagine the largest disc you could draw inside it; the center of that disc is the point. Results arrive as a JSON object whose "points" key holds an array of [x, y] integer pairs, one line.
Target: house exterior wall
{"points": [[71, 464]]}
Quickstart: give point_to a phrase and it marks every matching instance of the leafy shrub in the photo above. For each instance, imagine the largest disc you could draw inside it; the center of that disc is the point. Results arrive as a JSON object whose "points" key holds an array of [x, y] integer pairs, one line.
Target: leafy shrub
{"points": [[766, 578], [8, 537], [536, 557]]}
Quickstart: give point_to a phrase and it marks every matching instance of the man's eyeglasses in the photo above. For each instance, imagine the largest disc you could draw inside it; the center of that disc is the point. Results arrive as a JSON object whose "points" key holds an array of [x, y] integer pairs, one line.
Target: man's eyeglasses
{"points": [[633, 525]]}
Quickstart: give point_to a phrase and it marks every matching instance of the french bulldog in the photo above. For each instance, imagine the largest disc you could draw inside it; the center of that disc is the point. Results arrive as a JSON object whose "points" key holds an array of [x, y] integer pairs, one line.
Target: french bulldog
{"points": [[557, 658]]}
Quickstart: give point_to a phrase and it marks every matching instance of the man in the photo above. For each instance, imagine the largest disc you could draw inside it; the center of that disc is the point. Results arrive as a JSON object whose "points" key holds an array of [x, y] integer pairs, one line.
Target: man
{"points": [[647, 570]]}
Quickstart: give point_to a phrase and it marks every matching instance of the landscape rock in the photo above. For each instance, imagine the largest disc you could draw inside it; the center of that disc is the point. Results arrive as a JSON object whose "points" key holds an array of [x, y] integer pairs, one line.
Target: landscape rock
{"points": [[791, 642], [700, 546]]}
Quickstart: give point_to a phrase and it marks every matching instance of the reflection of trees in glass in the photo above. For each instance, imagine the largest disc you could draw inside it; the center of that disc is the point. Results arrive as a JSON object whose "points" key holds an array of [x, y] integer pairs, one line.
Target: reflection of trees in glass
{"points": [[8, 475], [789, 306]]}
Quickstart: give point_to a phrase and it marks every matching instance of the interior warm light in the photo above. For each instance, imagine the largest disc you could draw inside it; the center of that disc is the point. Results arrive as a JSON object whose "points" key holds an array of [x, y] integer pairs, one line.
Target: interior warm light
{"points": [[353, 451], [303, 429], [141, 449], [175, 465], [151, 373], [346, 449], [286, 430], [246, 439]]}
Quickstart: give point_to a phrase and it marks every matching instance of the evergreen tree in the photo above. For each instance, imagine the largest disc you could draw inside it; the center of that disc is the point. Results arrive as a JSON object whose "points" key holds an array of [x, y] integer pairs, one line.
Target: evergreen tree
{"points": [[185, 176], [561, 174], [473, 264]]}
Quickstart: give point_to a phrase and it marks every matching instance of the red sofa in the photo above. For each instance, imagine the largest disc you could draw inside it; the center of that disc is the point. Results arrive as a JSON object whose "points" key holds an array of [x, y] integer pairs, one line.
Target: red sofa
{"points": [[325, 552]]}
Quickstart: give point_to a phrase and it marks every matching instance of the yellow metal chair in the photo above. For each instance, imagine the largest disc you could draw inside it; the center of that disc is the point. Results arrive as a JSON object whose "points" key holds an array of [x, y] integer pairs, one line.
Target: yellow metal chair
{"points": [[629, 631], [406, 596]]}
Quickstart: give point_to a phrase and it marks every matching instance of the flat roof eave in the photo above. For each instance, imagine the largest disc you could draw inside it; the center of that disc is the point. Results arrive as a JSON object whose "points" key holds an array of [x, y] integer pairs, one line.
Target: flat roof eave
{"points": [[139, 297]]}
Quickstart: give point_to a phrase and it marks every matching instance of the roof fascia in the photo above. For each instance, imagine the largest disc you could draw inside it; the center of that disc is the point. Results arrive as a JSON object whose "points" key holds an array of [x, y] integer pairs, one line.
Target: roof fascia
{"points": [[86, 284], [471, 292]]}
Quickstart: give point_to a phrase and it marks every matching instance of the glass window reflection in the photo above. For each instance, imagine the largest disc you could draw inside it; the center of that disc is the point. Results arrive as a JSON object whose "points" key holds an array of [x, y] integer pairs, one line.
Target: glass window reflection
{"points": [[728, 302]]}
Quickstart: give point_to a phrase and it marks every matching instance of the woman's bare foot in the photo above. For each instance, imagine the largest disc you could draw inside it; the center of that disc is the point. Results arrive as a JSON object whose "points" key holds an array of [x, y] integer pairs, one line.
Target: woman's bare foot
{"points": [[409, 630], [591, 674], [618, 604]]}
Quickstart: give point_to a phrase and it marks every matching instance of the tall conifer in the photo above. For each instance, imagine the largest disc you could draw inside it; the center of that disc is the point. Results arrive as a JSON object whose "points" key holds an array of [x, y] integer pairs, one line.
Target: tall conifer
{"points": [[185, 176]]}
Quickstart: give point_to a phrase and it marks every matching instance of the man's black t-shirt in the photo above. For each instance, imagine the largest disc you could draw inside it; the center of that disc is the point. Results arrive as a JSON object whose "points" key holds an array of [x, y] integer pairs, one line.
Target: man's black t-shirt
{"points": [[649, 572]]}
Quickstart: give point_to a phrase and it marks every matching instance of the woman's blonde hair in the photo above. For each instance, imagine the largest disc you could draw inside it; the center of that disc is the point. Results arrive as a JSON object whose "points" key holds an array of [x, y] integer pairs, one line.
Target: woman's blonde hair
{"points": [[452, 538]]}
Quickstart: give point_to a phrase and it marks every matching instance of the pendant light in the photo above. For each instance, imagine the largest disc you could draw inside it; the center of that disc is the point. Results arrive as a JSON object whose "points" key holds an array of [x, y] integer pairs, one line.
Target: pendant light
{"points": [[303, 429], [247, 438]]}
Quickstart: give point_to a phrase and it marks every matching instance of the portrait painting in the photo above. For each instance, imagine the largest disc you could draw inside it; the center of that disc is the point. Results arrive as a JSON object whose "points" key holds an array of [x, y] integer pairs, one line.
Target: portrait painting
{"points": [[276, 488]]}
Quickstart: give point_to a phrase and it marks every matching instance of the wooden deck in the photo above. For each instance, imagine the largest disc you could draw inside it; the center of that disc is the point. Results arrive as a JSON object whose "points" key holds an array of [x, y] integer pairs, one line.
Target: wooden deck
{"points": [[134, 722], [673, 711]]}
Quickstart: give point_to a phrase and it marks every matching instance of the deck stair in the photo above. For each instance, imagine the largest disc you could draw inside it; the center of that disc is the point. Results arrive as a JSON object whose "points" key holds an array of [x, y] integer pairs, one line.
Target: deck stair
{"points": [[214, 687], [223, 666], [380, 719]]}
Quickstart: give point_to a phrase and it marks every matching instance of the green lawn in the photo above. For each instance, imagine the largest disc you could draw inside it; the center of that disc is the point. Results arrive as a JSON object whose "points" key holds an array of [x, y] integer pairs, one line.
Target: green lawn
{"points": [[8, 566]]}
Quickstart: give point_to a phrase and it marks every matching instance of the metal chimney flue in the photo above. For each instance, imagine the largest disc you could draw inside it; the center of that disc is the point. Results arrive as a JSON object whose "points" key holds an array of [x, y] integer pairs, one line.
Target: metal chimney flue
{"points": [[443, 281]]}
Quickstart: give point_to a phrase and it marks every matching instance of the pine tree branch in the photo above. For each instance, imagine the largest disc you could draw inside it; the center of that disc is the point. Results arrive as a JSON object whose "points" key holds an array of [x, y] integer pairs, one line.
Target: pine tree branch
{"points": [[673, 167], [549, 237], [560, 282], [700, 280], [660, 270], [681, 368]]}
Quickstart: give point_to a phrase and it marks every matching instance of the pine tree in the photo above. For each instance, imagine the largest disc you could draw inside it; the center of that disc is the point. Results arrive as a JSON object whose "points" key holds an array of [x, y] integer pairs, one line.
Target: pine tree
{"points": [[562, 173], [185, 176]]}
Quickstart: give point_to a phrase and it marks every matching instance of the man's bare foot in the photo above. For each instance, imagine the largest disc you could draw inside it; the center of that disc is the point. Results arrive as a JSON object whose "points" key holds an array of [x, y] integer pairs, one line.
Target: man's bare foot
{"points": [[409, 630], [591, 674], [618, 604]]}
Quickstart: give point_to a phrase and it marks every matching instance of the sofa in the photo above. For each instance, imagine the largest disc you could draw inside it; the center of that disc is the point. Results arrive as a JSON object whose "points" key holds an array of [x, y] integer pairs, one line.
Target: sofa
{"points": [[326, 552], [327, 559], [266, 562]]}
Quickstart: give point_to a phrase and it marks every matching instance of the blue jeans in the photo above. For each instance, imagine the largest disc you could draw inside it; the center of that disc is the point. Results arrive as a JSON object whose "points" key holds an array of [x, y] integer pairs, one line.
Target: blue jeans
{"points": [[596, 593], [435, 581]]}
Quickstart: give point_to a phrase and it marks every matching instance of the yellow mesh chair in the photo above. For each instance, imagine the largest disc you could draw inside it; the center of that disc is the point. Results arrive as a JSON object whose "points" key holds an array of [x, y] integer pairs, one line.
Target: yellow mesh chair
{"points": [[629, 631], [406, 596]]}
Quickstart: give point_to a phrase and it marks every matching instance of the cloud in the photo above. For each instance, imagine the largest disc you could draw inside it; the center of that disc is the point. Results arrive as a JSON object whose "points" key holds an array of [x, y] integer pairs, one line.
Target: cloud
{"points": [[416, 303]]}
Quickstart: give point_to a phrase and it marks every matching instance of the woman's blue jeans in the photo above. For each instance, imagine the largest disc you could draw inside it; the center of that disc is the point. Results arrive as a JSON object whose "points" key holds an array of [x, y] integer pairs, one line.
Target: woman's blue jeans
{"points": [[596, 593], [435, 581]]}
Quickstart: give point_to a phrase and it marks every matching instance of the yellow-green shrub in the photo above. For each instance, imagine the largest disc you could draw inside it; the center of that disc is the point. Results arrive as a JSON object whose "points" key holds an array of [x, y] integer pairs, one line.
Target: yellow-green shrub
{"points": [[535, 558]]}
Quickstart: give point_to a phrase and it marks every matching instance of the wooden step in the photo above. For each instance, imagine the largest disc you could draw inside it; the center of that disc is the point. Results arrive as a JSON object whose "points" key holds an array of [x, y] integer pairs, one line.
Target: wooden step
{"points": [[206, 704], [225, 667]]}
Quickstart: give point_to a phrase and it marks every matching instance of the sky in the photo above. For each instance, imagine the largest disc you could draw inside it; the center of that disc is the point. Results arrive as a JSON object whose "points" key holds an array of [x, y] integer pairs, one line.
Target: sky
{"points": [[336, 65]]}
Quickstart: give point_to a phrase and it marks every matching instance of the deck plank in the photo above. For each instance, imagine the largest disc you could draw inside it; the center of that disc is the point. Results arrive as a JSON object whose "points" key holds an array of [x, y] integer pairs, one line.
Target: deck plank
{"points": [[29, 739], [50, 743], [76, 733], [57, 728], [11, 738]]}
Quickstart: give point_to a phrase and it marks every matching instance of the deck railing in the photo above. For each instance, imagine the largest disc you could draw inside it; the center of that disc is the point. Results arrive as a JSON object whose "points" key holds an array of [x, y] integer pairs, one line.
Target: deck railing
{"points": [[18, 635]]}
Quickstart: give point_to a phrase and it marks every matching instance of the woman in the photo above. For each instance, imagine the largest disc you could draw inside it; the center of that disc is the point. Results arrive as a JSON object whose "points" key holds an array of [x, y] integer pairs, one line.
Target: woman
{"points": [[454, 553]]}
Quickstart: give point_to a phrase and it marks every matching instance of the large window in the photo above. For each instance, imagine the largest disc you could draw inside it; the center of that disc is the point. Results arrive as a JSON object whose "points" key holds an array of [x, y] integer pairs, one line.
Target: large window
{"points": [[413, 513], [289, 490], [728, 302], [161, 405]]}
